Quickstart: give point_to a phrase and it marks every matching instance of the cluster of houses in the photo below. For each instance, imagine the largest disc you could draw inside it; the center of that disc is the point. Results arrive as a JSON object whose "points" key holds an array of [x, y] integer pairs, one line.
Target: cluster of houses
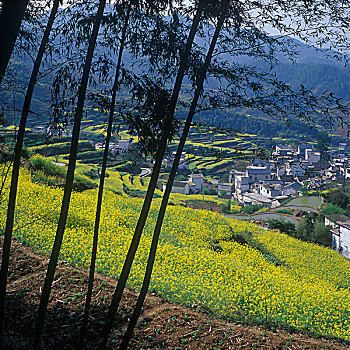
{"points": [[119, 147], [271, 182]]}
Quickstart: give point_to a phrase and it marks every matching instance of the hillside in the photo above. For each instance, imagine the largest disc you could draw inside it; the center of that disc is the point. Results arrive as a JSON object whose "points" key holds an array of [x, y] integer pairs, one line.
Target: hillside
{"points": [[316, 70], [162, 325], [233, 269]]}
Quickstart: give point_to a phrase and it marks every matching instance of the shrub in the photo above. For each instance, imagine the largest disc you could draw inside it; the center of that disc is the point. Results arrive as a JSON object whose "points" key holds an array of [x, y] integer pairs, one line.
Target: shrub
{"points": [[210, 191], [338, 197], [321, 234], [332, 209], [284, 211], [226, 207], [252, 208], [311, 229], [283, 226]]}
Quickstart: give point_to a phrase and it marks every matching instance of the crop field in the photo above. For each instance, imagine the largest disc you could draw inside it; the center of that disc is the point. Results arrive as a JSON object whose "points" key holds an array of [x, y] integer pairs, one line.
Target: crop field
{"points": [[309, 289], [312, 202], [210, 153]]}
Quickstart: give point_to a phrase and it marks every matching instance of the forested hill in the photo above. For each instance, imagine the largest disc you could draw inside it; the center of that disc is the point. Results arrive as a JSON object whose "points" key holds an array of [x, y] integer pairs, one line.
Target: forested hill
{"points": [[316, 70]]}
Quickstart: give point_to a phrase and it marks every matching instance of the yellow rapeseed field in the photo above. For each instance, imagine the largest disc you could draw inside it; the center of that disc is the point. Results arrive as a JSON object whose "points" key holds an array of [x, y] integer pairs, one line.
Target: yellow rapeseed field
{"points": [[310, 290]]}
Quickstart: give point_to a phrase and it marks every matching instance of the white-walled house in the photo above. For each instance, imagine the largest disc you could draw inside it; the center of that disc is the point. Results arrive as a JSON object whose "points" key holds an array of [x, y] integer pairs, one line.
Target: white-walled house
{"points": [[249, 198], [302, 149], [283, 151], [340, 229], [183, 187], [225, 187], [292, 189], [121, 146], [312, 156], [198, 180], [182, 164], [342, 242], [253, 174], [270, 190]]}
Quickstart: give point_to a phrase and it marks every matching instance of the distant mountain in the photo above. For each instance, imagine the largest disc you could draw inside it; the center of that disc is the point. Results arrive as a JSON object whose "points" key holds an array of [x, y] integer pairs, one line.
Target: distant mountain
{"points": [[315, 69]]}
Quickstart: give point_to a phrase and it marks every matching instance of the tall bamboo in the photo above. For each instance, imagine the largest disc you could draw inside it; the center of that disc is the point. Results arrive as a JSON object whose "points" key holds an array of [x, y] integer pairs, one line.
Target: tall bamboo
{"points": [[153, 181], [153, 250], [17, 163], [69, 179], [101, 185]]}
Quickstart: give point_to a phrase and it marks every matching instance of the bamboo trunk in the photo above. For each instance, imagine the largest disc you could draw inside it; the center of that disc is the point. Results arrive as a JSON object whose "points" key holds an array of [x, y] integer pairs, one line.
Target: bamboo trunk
{"points": [[69, 179]]}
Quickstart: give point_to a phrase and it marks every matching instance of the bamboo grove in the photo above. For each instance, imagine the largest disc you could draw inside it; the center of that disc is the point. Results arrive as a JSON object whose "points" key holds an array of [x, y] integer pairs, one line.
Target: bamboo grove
{"points": [[174, 47]]}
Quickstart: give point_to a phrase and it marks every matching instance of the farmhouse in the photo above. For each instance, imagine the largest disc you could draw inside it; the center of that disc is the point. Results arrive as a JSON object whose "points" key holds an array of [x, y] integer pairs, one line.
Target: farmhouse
{"points": [[225, 190], [121, 146], [183, 187], [182, 164], [302, 149], [197, 179], [249, 198], [312, 156], [292, 189], [341, 238]]}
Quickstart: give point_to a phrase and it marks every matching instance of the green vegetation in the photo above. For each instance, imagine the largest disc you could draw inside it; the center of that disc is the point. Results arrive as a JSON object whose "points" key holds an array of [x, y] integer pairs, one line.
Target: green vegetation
{"points": [[339, 197], [252, 275], [283, 226], [250, 209], [306, 201], [332, 209], [310, 229], [47, 172]]}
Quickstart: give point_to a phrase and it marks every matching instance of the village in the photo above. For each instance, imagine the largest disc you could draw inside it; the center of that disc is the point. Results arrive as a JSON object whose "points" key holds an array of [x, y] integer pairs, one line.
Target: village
{"points": [[271, 182], [265, 184], [288, 173]]}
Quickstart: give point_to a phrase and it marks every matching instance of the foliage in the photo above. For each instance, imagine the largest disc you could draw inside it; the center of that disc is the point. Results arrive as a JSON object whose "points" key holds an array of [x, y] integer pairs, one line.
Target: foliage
{"points": [[226, 207], [210, 191], [321, 234], [338, 197], [332, 209], [250, 209], [238, 282], [284, 211], [322, 144], [284, 226], [311, 229], [45, 171]]}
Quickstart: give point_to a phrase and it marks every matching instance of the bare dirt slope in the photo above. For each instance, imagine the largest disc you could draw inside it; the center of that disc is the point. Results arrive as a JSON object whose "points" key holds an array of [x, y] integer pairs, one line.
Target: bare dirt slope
{"points": [[162, 325]]}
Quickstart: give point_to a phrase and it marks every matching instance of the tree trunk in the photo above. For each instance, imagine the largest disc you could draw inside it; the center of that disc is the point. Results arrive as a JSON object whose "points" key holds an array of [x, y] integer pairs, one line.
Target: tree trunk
{"points": [[101, 185], [69, 179], [16, 165], [11, 16], [152, 185], [153, 250]]}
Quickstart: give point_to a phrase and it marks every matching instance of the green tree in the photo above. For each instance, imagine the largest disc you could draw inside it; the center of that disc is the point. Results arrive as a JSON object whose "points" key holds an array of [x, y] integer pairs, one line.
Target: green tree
{"points": [[222, 13], [166, 109], [322, 145], [321, 234]]}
